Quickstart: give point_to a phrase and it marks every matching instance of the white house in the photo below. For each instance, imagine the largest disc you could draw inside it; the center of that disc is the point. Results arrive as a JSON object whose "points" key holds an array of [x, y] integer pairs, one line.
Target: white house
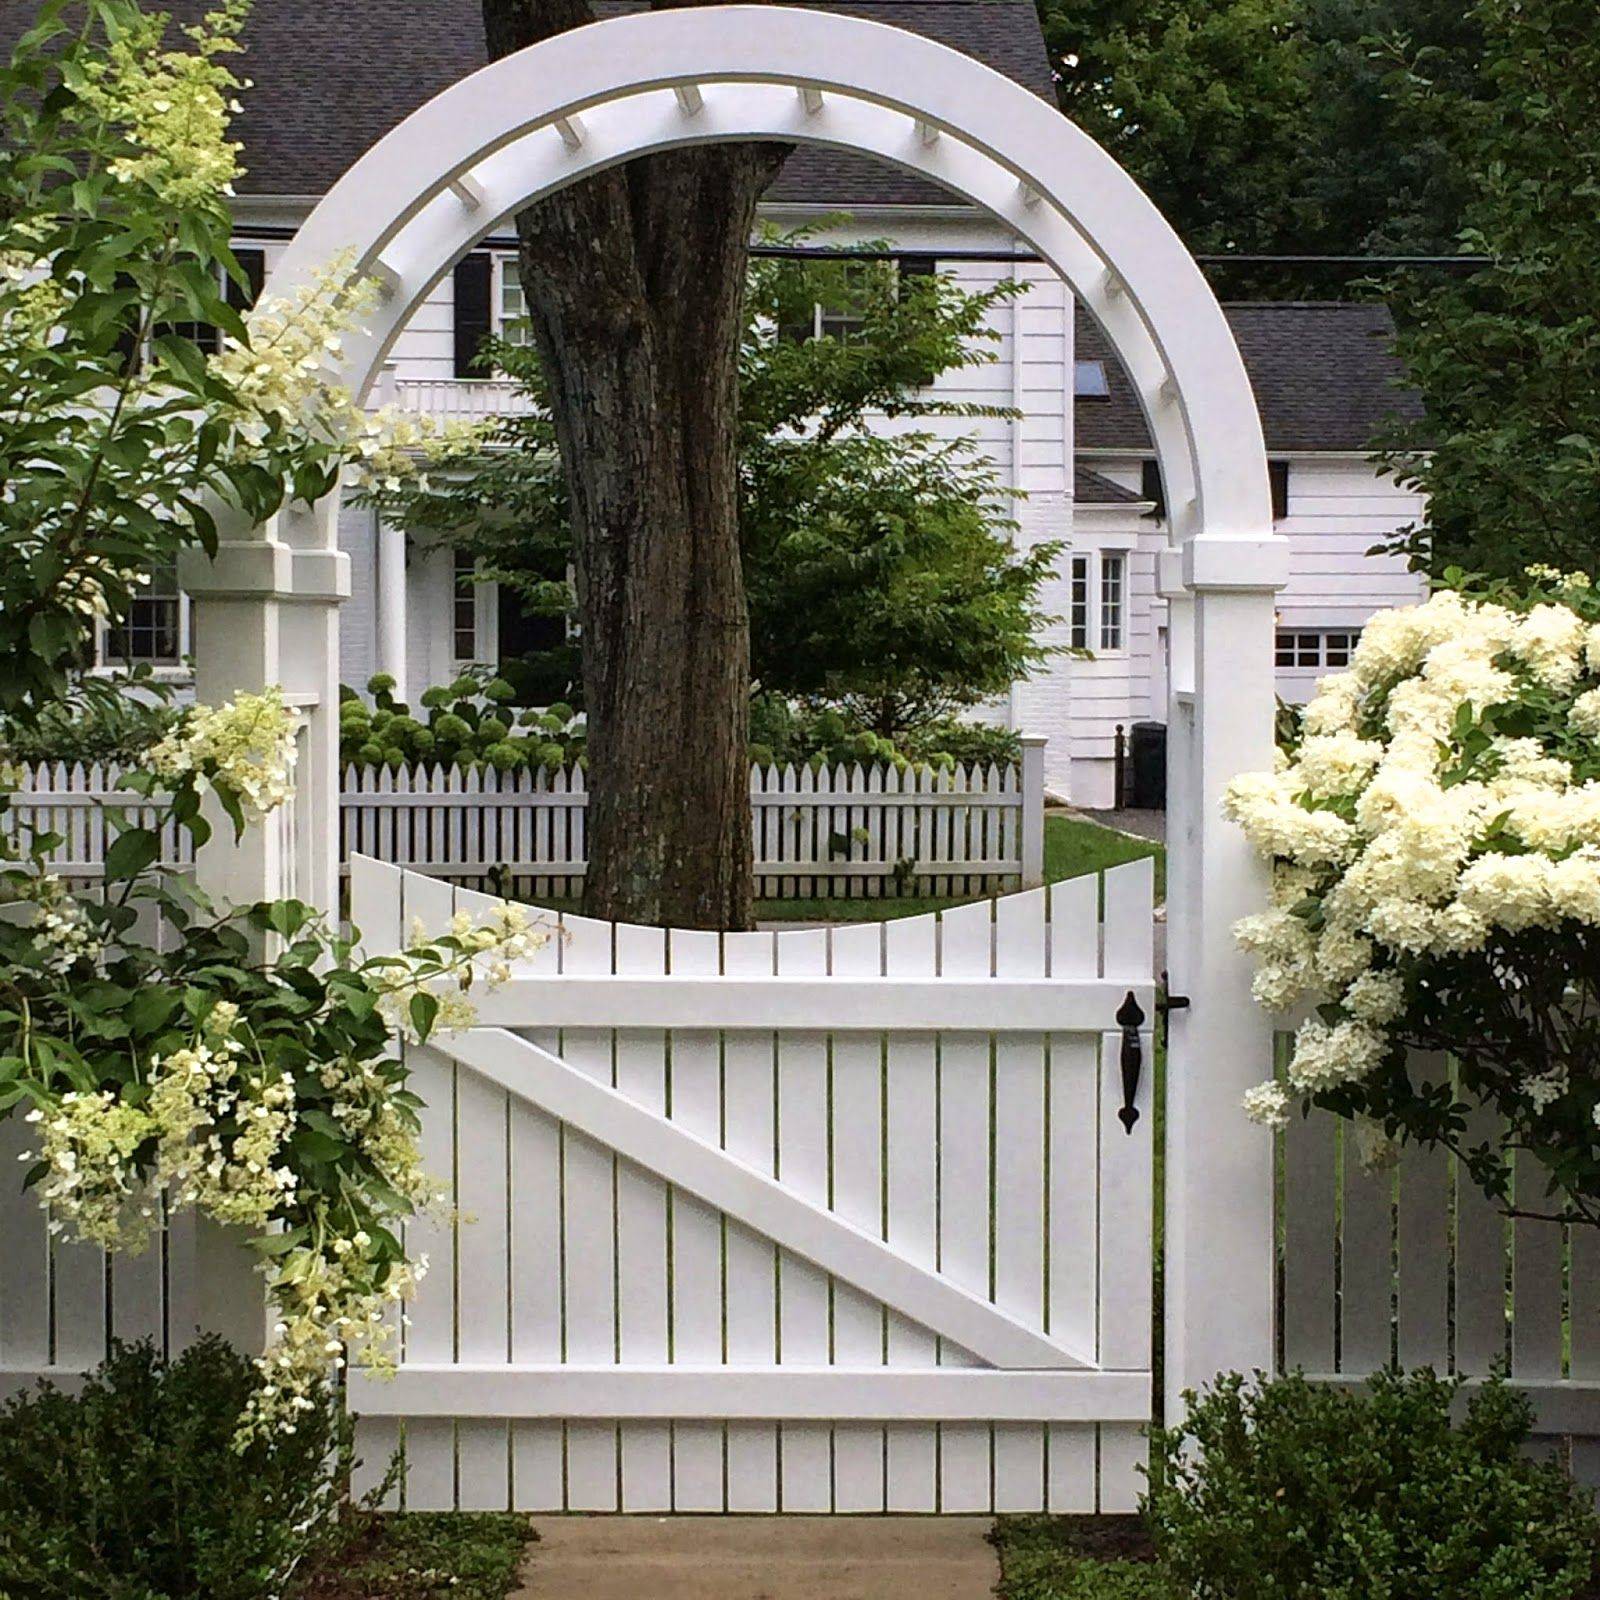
{"points": [[331, 80]]}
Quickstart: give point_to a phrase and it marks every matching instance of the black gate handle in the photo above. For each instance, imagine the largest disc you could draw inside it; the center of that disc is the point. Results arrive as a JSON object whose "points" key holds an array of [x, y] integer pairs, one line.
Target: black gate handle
{"points": [[1130, 1017]]}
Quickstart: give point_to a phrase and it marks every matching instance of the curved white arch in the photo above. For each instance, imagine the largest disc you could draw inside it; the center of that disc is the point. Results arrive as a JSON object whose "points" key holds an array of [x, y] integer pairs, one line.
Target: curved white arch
{"points": [[597, 96]]}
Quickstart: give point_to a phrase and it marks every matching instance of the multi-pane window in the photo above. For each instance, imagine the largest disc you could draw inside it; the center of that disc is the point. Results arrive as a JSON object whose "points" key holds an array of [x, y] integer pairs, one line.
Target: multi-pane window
{"points": [[152, 630], [1312, 649], [1111, 599], [511, 304], [464, 608], [1078, 621]]}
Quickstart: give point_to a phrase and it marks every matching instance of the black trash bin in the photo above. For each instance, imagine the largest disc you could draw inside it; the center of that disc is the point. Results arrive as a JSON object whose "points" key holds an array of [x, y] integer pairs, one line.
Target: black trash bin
{"points": [[1149, 754]]}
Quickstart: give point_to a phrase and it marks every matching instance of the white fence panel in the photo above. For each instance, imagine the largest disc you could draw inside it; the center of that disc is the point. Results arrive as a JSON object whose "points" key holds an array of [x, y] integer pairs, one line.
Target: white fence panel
{"points": [[842, 831], [1412, 1264]]}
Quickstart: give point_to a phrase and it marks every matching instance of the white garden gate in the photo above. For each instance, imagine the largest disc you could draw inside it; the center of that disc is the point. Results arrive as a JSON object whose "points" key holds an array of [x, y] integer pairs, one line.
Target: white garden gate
{"points": [[819, 1220]]}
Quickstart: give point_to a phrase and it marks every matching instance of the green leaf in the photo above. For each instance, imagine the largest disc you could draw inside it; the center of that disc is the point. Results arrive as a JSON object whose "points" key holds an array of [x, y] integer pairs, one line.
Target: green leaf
{"points": [[424, 1009], [131, 853]]}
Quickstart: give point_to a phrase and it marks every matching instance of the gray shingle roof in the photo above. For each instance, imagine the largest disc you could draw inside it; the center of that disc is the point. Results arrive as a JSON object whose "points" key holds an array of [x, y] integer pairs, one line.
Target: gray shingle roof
{"points": [[331, 77], [1091, 488], [1323, 374]]}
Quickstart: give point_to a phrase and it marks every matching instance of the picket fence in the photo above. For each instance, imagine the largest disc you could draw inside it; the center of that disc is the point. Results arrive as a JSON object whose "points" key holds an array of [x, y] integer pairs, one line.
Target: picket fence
{"points": [[1411, 1264], [841, 831]]}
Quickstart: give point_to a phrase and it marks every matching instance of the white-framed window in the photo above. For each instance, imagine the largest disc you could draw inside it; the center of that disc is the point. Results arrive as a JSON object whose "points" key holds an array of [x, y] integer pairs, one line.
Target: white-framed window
{"points": [[155, 631], [1097, 601], [1113, 570], [1078, 605], [509, 302], [472, 604], [1314, 649]]}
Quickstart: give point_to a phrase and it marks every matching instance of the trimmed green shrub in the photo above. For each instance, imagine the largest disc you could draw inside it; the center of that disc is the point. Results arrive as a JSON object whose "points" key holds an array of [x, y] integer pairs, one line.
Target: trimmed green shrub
{"points": [[469, 723], [1290, 1490], [132, 1489]]}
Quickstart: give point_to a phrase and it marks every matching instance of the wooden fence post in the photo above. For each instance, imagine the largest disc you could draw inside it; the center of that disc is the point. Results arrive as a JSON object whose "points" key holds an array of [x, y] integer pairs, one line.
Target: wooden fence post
{"points": [[1032, 810]]}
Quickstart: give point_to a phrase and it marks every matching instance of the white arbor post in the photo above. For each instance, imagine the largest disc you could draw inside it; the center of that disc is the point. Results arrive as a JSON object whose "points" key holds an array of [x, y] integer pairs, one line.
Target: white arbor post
{"points": [[266, 614], [1219, 1212]]}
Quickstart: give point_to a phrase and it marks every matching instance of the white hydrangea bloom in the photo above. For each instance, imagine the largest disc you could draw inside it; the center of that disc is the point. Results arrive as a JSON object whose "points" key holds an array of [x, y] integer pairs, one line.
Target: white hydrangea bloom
{"points": [[1268, 1104], [1409, 825]]}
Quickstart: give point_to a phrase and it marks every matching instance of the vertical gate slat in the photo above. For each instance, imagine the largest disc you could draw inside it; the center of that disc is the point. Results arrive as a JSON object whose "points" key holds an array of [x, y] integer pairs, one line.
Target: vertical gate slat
{"points": [[1074, 1218], [642, 1319], [696, 1101], [537, 1447], [1019, 1188], [966, 1088], [483, 1244], [804, 1449], [430, 1483], [376, 913], [751, 1261], [589, 1233], [858, 1196], [1126, 1177]]}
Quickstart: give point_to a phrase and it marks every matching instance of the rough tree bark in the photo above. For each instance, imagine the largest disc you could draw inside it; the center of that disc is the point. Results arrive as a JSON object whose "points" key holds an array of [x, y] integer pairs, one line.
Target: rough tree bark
{"points": [[635, 284]]}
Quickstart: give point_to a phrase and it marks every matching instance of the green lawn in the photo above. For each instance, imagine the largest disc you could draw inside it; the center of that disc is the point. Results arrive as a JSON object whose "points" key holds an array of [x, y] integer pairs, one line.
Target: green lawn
{"points": [[1072, 847]]}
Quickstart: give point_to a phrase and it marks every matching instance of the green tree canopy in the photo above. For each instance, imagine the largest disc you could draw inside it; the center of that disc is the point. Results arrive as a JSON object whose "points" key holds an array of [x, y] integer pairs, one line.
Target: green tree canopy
{"points": [[1274, 126], [1507, 359]]}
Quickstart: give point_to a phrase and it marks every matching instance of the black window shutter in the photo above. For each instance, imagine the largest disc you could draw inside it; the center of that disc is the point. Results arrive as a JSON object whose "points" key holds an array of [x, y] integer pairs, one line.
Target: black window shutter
{"points": [[1278, 474], [473, 324], [1152, 488]]}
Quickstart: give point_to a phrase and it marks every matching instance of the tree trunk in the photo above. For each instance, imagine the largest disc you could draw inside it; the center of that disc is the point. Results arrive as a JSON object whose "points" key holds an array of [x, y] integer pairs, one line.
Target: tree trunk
{"points": [[635, 286]]}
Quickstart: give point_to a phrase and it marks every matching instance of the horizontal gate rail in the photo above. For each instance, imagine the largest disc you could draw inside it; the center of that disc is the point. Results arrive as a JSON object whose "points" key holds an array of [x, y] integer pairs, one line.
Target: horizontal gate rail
{"points": [[784, 1394], [982, 1005]]}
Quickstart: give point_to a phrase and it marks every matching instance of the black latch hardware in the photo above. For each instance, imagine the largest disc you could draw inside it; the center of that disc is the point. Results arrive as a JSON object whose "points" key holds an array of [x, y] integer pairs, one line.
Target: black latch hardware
{"points": [[1130, 1018]]}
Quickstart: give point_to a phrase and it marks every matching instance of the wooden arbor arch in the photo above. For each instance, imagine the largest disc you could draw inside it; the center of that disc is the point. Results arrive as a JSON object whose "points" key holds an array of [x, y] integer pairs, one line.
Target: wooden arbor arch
{"points": [[597, 96]]}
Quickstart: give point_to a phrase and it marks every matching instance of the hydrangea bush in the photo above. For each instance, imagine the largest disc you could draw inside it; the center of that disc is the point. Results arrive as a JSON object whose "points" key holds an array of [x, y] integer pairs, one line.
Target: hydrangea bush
{"points": [[1434, 830], [247, 1072]]}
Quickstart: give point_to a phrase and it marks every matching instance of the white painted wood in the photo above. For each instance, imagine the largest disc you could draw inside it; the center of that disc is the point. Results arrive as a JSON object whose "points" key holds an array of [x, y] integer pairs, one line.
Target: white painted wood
{"points": [[1422, 1250], [588, 1219], [1310, 1235], [964, 1003], [596, 1112], [1021, 1115], [749, 1254], [966, 1088], [859, 1196], [802, 1144], [699, 1479], [643, 1321], [971, 1395]]}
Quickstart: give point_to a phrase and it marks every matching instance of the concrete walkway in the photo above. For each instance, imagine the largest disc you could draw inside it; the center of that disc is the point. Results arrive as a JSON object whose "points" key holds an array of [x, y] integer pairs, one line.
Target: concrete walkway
{"points": [[760, 1558]]}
